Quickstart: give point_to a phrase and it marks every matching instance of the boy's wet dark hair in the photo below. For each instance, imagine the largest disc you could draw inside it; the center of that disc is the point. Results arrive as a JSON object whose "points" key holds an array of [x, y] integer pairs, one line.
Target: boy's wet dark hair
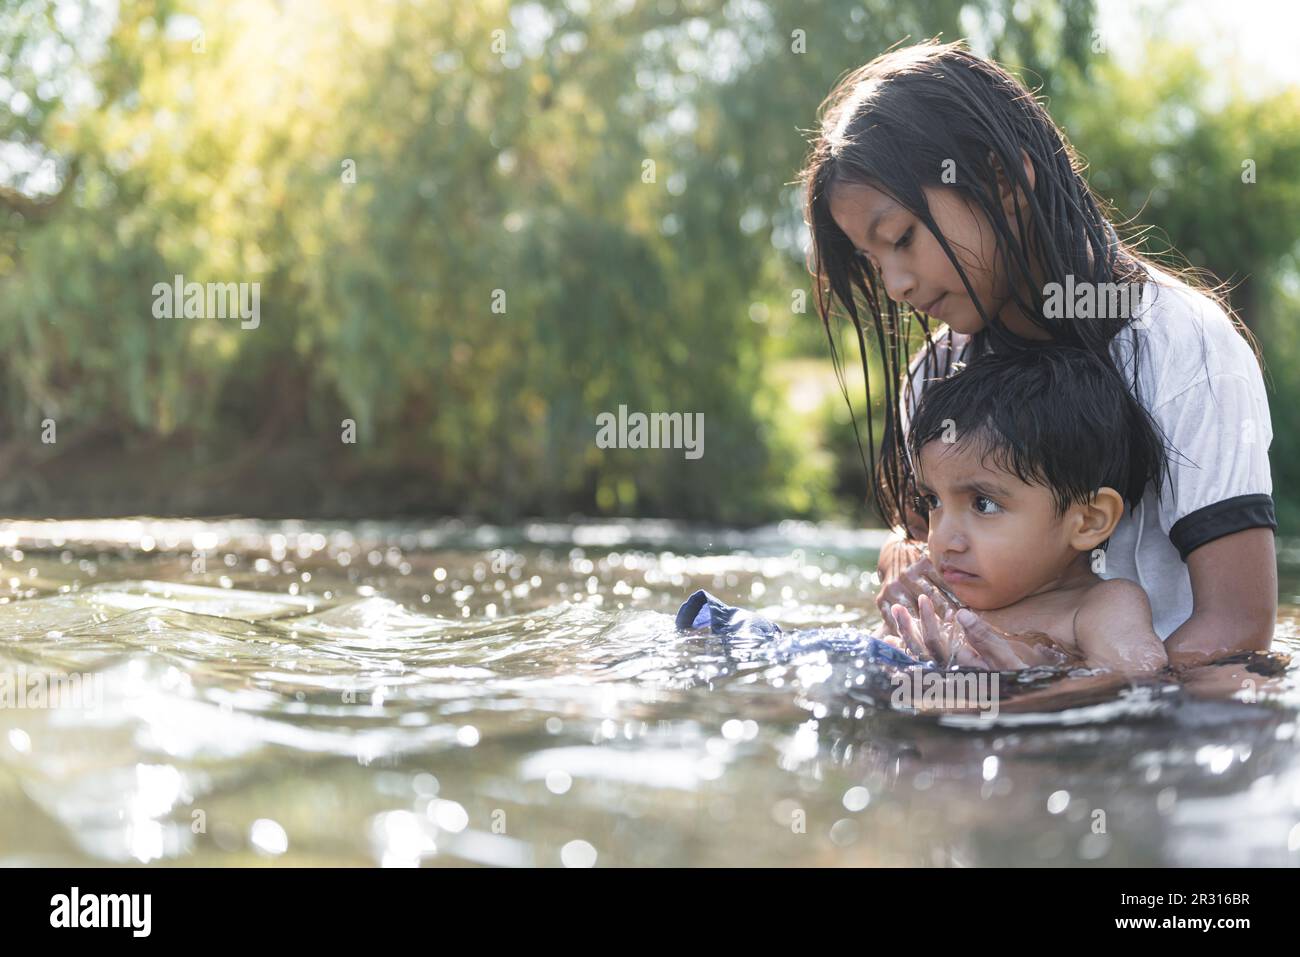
{"points": [[1051, 416]]}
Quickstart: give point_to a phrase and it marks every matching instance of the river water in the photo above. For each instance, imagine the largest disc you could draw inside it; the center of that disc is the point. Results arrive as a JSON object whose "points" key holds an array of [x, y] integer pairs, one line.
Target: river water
{"points": [[243, 692]]}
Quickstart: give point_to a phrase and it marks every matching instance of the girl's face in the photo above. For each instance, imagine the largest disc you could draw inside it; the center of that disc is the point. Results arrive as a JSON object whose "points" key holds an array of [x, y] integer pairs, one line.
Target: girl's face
{"points": [[913, 266]]}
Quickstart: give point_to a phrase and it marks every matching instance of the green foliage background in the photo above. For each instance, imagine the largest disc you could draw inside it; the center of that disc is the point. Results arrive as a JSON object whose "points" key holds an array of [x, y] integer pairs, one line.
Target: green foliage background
{"points": [[504, 147]]}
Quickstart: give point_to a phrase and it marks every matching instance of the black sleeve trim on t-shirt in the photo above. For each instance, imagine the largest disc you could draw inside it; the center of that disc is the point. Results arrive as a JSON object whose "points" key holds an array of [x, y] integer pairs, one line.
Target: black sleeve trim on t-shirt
{"points": [[1222, 518]]}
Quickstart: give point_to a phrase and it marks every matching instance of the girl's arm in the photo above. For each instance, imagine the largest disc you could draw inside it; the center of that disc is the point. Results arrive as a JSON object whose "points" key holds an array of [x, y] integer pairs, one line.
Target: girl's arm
{"points": [[903, 547], [1072, 691], [904, 570], [896, 555], [1234, 598], [1217, 508], [962, 638]]}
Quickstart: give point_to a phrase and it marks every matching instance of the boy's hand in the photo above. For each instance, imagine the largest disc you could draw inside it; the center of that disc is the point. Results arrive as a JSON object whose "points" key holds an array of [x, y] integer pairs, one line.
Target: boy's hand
{"points": [[941, 640]]}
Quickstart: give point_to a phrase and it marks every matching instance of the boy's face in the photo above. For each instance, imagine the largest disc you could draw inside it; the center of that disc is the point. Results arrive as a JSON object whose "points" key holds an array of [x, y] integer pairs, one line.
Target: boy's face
{"points": [[994, 539]]}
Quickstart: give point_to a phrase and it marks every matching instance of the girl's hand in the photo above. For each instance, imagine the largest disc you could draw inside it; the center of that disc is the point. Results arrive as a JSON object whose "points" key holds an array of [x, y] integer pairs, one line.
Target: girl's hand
{"points": [[918, 578], [1013, 652], [1005, 652]]}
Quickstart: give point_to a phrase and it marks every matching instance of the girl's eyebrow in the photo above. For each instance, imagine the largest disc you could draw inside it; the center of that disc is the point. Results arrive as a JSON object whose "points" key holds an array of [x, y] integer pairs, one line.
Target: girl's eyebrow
{"points": [[875, 223], [871, 230]]}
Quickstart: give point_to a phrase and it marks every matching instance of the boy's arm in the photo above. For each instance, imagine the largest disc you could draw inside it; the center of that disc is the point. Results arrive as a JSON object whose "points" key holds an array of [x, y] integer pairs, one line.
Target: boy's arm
{"points": [[1113, 629]]}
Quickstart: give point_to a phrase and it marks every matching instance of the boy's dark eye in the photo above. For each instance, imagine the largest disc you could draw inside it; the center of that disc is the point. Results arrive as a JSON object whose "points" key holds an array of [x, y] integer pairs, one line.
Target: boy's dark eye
{"points": [[904, 240], [922, 503]]}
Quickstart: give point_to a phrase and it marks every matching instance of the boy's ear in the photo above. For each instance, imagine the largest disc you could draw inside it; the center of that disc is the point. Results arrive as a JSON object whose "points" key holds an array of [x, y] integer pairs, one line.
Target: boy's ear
{"points": [[1095, 520], [1006, 188]]}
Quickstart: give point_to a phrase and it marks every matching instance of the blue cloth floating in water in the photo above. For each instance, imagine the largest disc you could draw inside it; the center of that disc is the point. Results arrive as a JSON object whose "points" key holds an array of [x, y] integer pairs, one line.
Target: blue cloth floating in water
{"points": [[703, 610]]}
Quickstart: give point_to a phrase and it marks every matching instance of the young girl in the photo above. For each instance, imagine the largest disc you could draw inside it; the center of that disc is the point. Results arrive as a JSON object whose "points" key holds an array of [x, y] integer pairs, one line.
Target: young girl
{"points": [[940, 188]]}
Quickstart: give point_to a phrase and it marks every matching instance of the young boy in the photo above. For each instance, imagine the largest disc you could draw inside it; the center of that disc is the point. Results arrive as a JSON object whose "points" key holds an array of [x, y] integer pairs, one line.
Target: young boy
{"points": [[1024, 463]]}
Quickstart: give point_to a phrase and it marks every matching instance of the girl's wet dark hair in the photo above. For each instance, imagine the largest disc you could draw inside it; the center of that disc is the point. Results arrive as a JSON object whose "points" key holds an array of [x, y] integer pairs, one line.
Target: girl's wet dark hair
{"points": [[897, 124], [1053, 416]]}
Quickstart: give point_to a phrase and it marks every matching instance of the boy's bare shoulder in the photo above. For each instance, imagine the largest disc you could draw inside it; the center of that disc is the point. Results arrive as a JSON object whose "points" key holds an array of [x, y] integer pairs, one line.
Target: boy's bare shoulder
{"points": [[1112, 601], [1116, 589], [1113, 627]]}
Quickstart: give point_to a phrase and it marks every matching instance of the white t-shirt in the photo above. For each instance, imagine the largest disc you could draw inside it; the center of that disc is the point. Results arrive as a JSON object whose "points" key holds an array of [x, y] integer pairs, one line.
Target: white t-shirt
{"points": [[1200, 381]]}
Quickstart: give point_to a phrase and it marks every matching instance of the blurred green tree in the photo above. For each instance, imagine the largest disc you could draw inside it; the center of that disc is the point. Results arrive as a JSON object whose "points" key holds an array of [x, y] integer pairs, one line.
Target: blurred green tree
{"points": [[475, 228]]}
